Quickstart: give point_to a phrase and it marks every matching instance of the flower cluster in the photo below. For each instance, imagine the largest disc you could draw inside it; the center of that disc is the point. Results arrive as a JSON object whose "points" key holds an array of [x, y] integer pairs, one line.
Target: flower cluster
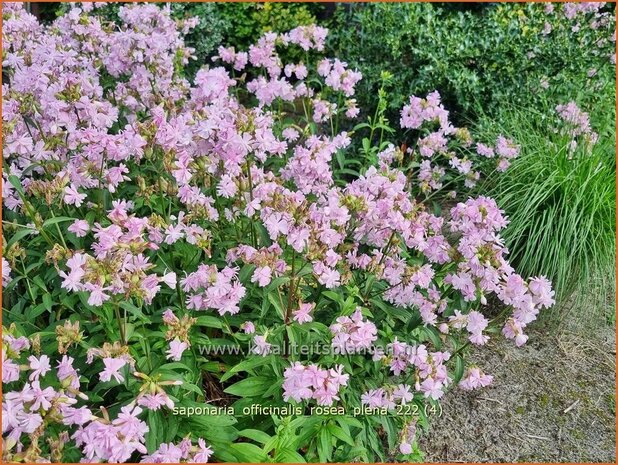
{"points": [[438, 147], [428, 368], [485, 269], [119, 265], [303, 382], [352, 333], [474, 378], [388, 397], [210, 288], [51, 396], [571, 10], [577, 15], [146, 192], [576, 125], [184, 452], [177, 333], [408, 435]]}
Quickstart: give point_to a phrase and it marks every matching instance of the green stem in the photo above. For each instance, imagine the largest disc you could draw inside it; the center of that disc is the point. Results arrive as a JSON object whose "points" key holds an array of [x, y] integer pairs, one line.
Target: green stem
{"points": [[123, 340], [253, 236], [58, 229], [23, 267]]}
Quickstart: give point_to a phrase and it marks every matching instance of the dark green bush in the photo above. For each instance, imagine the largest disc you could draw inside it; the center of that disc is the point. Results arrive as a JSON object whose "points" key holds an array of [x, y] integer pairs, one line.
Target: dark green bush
{"points": [[476, 57]]}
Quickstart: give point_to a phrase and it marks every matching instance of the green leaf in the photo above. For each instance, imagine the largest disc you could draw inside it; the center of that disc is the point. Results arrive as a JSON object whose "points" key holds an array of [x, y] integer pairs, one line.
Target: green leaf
{"points": [[255, 435], [156, 430], [47, 302], [33, 312], [19, 235], [134, 310], [209, 321], [274, 300], [324, 445], [459, 369], [16, 183], [173, 366], [248, 453], [245, 272], [433, 336], [192, 387], [56, 220], [245, 365], [39, 282], [250, 387], [348, 421], [339, 433], [332, 295], [289, 456]]}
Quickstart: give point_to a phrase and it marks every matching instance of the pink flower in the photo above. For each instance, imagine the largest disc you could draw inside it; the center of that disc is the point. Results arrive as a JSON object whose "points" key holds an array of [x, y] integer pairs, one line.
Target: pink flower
{"points": [[405, 448], [432, 388], [474, 378], [262, 275], [174, 233], [97, 296], [513, 329], [485, 150], [248, 327], [290, 134], [6, 272], [169, 318], [204, 452], [40, 366], [112, 365], [155, 401], [540, 288], [352, 334], [79, 227], [75, 416], [302, 315], [169, 279], [260, 346], [403, 394], [328, 277], [177, 347], [10, 369], [41, 397], [72, 197], [276, 224], [312, 382], [476, 324]]}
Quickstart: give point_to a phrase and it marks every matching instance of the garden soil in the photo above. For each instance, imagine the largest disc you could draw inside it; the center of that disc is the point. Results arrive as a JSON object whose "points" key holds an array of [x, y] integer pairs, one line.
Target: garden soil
{"points": [[552, 400]]}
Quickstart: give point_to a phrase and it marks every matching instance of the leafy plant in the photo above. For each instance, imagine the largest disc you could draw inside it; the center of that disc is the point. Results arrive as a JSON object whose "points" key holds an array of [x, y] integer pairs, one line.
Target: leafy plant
{"points": [[202, 278]]}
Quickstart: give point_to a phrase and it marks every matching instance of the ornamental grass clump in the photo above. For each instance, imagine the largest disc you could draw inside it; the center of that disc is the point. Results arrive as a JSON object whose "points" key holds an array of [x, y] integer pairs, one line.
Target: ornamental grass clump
{"points": [[560, 196], [173, 245]]}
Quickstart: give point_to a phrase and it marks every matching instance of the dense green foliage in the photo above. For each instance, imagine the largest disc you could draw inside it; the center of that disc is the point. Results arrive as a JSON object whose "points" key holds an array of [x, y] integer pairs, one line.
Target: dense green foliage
{"points": [[477, 58]]}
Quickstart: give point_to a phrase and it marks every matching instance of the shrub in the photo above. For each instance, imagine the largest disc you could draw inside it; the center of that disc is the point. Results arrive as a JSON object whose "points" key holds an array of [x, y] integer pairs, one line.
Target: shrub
{"points": [[481, 57], [186, 242], [249, 21]]}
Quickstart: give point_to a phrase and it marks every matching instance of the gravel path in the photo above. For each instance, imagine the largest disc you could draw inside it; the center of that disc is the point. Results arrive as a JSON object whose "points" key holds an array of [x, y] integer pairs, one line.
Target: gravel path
{"points": [[552, 400]]}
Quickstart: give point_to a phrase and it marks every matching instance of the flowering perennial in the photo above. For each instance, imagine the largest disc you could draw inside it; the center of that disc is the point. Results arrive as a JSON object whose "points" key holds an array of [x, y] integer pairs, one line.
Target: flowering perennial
{"points": [[172, 216]]}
